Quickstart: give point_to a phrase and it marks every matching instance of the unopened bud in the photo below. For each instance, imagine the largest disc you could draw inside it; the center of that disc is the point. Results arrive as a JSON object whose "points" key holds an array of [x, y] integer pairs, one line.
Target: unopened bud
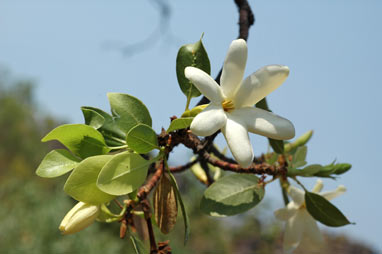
{"points": [[193, 112], [79, 217], [300, 141]]}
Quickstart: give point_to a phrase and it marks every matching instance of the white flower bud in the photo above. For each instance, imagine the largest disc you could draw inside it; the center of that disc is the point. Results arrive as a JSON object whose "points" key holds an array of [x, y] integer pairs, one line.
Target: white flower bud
{"points": [[78, 218]]}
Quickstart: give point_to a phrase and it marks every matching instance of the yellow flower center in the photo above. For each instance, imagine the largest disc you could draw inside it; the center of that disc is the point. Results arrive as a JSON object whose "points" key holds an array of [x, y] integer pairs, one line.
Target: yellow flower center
{"points": [[228, 105]]}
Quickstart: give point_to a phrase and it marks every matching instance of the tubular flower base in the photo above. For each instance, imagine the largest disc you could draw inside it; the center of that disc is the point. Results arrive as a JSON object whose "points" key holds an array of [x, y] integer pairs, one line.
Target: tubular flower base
{"points": [[231, 109], [301, 227], [78, 218]]}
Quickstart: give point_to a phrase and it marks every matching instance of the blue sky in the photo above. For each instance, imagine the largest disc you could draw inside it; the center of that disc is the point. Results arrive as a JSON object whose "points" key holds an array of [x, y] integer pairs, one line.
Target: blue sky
{"points": [[71, 50]]}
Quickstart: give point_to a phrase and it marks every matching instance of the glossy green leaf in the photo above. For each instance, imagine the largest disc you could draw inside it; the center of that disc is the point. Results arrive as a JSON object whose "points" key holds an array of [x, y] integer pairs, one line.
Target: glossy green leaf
{"points": [[186, 220], [110, 129], [180, 123], [82, 140], [232, 194], [323, 211], [191, 55], [123, 174], [142, 139], [92, 117], [128, 111], [57, 163], [81, 184], [277, 145]]}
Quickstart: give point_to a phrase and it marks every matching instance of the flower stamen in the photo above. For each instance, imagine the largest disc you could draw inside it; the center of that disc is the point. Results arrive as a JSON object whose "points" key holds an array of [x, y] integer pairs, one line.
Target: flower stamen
{"points": [[228, 105]]}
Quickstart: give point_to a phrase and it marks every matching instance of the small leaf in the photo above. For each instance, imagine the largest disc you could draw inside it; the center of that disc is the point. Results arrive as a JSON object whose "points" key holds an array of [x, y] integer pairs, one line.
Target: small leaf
{"points": [[307, 171], [57, 163], [111, 130], [81, 184], [194, 111], [232, 194], [142, 139], [191, 55], [186, 220], [300, 141], [323, 211], [299, 157], [123, 174], [80, 139], [165, 205], [128, 111], [92, 117], [180, 123], [138, 246], [277, 145]]}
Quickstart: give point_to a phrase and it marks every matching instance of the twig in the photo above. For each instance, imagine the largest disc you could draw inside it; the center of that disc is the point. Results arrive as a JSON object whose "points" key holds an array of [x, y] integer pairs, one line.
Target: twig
{"points": [[183, 167]]}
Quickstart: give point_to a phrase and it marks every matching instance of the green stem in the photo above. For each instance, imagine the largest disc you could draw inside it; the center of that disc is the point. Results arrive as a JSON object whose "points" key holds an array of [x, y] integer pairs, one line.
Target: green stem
{"points": [[188, 102]]}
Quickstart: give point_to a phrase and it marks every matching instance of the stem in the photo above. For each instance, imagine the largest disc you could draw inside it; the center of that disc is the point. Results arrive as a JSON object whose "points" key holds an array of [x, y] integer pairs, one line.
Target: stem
{"points": [[188, 102]]}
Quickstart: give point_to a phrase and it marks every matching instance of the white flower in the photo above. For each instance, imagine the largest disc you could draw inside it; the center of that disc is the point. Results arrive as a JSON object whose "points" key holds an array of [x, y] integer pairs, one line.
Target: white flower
{"points": [[79, 217], [231, 109], [300, 225]]}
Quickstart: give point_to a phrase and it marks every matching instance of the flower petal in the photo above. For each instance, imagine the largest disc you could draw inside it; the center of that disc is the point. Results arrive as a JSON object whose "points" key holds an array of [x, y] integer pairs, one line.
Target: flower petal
{"points": [[297, 195], [238, 142], [287, 212], [233, 68], [329, 195], [260, 84], [205, 84], [265, 123], [311, 230], [293, 232], [208, 121], [318, 187]]}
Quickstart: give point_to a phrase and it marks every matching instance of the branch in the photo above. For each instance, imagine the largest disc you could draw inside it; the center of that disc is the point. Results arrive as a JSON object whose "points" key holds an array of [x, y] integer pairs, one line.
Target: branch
{"points": [[183, 167]]}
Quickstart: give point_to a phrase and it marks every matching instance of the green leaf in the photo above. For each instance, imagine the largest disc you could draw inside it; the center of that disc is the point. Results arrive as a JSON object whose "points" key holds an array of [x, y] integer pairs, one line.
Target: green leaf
{"points": [[191, 55], [57, 163], [277, 145], [81, 184], [180, 123], [111, 130], [307, 171], [128, 111], [92, 117], [299, 157], [333, 169], [142, 139], [123, 174], [138, 246], [232, 194], [186, 220], [300, 141], [82, 140], [323, 211]]}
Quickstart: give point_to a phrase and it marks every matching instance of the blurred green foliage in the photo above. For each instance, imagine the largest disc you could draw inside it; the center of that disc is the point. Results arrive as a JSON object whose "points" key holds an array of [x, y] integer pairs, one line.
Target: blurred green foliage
{"points": [[31, 207]]}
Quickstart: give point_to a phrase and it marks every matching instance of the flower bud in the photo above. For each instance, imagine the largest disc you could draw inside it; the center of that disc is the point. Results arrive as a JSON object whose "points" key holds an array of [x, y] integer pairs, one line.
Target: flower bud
{"points": [[78, 218]]}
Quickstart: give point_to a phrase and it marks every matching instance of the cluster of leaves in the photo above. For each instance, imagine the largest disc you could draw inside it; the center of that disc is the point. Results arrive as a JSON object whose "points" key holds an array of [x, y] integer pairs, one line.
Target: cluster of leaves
{"points": [[109, 157]]}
